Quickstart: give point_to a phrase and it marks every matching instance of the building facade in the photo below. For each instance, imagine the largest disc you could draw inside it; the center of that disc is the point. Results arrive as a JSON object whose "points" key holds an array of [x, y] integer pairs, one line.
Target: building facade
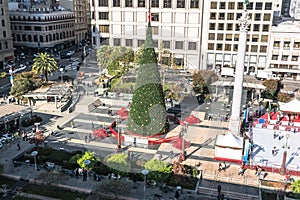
{"points": [[6, 40], [41, 25], [81, 9]]}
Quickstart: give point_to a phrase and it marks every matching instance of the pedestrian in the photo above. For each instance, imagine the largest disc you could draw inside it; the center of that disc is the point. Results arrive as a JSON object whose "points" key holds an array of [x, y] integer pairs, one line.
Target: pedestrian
{"points": [[76, 173], [160, 157], [23, 135], [219, 189], [86, 138], [93, 125], [18, 145], [72, 124], [84, 175], [210, 118], [171, 154], [242, 170]]}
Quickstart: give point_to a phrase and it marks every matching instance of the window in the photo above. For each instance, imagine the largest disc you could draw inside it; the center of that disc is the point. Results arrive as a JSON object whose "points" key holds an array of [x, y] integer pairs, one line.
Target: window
{"points": [[167, 3], [276, 44], [155, 30], [180, 3], [254, 48], [267, 17], [240, 6], [258, 6], [194, 3], [231, 5], [211, 36], [230, 16], [236, 37], [227, 47], [155, 3], [222, 16], [286, 44], [116, 3], [296, 45], [104, 41], [192, 46], [284, 58], [117, 41], [211, 46], [4, 34], [294, 58], [265, 28], [274, 57], [256, 27], [128, 3], [238, 15], [255, 38], [222, 5], [257, 17], [264, 38], [141, 3], [213, 15], [155, 17], [229, 27], [268, 6], [220, 36], [263, 49], [155, 43], [212, 26], [250, 6], [103, 3], [5, 45], [213, 5], [178, 45], [219, 46], [128, 42], [235, 47], [228, 37], [104, 28], [221, 26], [3, 23], [166, 44], [103, 15], [140, 42]]}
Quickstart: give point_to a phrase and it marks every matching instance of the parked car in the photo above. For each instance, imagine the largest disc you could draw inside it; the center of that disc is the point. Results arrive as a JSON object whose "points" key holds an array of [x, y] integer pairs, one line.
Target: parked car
{"points": [[2, 140], [8, 137], [1, 145]]}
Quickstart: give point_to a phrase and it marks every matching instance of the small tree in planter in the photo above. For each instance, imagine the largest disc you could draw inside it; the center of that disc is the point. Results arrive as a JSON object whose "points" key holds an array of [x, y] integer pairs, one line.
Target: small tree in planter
{"points": [[158, 170], [118, 162]]}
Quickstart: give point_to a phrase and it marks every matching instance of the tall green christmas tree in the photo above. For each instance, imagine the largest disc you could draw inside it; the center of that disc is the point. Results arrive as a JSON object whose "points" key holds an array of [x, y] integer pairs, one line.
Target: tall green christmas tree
{"points": [[148, 111]]}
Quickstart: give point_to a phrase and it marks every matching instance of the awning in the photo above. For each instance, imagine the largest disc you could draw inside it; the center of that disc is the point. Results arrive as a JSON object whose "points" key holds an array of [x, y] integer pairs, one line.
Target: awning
{"points": [[295, 53], [275, 53], [287, 39], [10, 57]]}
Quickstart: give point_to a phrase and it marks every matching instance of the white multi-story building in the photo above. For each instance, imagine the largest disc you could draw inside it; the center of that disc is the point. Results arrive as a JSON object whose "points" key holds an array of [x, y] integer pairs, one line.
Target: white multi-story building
{"points": [[201, 34]]}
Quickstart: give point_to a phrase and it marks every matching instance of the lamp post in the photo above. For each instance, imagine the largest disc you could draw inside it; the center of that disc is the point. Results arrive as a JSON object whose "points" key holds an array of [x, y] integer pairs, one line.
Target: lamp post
{"points": [[285, 147], [34, 154], [145, 172], [183, 131], [37, 126], [119, 134]]}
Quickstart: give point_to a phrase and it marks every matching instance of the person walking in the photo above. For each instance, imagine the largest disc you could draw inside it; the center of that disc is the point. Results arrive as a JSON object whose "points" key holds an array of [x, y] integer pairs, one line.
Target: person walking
{"points": [[18, 145], [72, 124]]}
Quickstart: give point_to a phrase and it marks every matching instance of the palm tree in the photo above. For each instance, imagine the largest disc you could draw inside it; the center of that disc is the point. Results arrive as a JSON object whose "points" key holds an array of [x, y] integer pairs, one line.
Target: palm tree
{"points": [[43, 63]]}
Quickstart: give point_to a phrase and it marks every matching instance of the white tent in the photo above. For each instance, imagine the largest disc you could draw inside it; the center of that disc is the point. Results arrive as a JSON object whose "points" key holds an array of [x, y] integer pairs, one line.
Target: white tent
{"points": [[292, 106], [229, 148]]}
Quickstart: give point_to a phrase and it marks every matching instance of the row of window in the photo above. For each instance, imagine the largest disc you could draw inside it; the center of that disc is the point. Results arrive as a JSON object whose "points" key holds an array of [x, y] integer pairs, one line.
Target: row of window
{"points": [[284, 66], [42, 18], [240, 5], [234, 47], [154, 3], [166, 43], [236, 27], [236, 16], [286, 44], [44, 28], [43, 38], [235, 37], [286, 57]]}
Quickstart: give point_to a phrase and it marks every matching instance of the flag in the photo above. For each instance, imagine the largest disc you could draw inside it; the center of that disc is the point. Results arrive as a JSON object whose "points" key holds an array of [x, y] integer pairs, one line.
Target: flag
{"points": [[149, 16], [246, 2]]}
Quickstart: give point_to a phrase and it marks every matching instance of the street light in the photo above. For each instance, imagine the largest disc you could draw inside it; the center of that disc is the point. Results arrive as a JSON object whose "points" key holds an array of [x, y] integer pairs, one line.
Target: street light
{"points": [[119, 134], [37, 126], [34, 154], [285, 147], [145, 172], [183, 131]]}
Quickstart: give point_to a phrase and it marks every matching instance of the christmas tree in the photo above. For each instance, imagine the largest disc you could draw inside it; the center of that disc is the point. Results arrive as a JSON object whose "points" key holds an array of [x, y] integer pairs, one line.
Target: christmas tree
{"points": [[148, 111]]}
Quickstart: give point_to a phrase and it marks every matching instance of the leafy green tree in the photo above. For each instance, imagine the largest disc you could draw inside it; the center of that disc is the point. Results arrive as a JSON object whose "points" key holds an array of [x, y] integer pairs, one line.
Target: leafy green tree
{"points": [[282, 97], [44, 64], [272, 88], [118, 162], [88, 155], [202, 80], [295, 185], [23, 83], [148, 111], [158, 170]]}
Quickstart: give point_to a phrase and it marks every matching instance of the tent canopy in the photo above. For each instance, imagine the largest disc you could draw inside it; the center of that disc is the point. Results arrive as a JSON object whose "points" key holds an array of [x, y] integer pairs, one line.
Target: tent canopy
{"points": [[292, 106], [229, 140]]}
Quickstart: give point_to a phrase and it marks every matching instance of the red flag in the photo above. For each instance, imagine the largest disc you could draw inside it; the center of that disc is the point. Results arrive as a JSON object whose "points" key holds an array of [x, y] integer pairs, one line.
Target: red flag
{"points": [[149, 16]]}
